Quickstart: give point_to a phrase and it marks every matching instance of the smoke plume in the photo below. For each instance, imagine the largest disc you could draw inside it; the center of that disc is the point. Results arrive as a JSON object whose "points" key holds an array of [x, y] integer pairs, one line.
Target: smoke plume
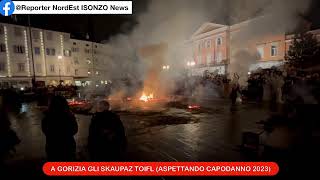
{"points": [[172, 22]]}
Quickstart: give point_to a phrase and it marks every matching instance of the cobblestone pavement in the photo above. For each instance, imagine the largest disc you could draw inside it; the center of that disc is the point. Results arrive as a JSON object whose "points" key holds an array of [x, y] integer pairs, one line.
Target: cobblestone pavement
{"points": [[173, 134]]}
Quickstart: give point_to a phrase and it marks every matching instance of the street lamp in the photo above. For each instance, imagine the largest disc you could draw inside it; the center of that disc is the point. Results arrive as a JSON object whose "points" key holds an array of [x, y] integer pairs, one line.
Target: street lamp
{"points": [[59, 63]]}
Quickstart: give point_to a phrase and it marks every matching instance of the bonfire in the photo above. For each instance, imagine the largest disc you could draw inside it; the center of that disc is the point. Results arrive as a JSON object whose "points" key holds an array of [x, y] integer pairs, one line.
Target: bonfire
{"points": [[146, 98]]}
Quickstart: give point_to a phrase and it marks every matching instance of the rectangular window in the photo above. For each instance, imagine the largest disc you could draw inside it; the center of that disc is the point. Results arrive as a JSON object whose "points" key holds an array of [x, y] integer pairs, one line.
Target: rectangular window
{"points": [[37, 50], [1, 30], [76, 72], [52, 68], [74, 49], [38, 68], [274, 50], [208, 43], [87, 51], [67, 53], [219, 41], [260, 50], [18, 49], [49, 36], [2, 48], [21, 67], [35, 34], [53, 52], [17, 31], [68, 69], [48, 51], [2, 67]]}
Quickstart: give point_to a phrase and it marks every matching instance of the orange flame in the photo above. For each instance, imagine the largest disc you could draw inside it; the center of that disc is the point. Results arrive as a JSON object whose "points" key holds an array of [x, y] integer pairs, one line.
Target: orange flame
{"points": [[146, 98]]}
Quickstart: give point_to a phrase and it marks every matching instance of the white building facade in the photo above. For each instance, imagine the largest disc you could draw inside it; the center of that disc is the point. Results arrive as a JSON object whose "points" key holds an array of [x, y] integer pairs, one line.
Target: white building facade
{"points": [[52, 57]]}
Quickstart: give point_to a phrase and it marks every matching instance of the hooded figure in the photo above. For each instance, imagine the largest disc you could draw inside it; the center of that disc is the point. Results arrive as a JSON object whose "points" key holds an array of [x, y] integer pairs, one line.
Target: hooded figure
{"points": [[107, 139], [59, 126]]}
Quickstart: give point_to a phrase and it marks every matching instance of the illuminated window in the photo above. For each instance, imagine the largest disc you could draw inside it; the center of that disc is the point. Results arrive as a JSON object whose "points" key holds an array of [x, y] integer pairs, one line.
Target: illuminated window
{"points": [[67, 53], [274, 50]]}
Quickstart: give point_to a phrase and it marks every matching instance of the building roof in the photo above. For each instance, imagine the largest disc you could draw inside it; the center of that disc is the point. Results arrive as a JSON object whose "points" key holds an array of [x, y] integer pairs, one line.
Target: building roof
{"points": [[207, 27]]}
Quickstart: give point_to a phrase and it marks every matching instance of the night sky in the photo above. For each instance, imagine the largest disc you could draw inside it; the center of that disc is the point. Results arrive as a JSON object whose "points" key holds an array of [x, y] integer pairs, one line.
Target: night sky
{"points": [[102, 27]]}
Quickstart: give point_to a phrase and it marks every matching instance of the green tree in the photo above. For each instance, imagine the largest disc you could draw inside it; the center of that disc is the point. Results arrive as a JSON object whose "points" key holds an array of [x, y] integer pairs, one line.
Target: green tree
{"points": [[304, 51]]}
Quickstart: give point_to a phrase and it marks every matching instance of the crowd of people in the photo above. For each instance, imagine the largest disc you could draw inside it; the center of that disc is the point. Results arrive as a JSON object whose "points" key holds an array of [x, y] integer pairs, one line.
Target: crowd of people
{"points": [[106, 140]]}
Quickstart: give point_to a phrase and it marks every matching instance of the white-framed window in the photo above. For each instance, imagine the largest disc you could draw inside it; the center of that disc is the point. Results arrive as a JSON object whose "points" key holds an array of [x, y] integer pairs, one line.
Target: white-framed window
{"points": [[21, 67], [38, 68], [2, 47], [219, 41], [18, 49], [2, 67], [52, 69], [260, 51], [274, 49], [37, 50], [67, 53]]}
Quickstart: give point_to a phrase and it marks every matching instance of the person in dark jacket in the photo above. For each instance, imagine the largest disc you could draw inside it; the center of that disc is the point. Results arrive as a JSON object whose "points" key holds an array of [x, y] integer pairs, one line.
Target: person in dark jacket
{"points": [[107, 139], [8, 137], [59, 126]]}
